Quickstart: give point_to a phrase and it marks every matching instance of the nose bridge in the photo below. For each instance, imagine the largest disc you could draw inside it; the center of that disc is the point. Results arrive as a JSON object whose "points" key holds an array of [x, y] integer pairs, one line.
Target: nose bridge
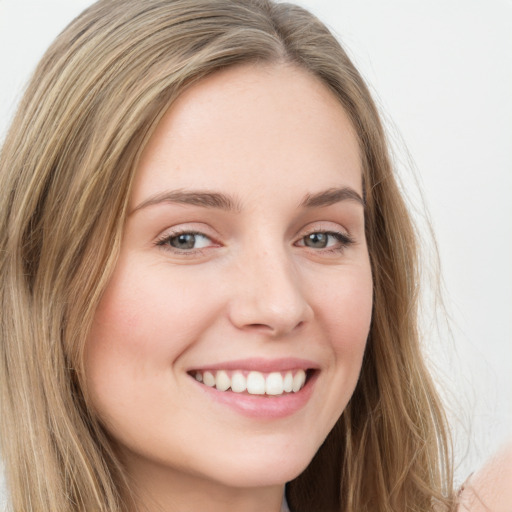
{"points": [[269, 294]]}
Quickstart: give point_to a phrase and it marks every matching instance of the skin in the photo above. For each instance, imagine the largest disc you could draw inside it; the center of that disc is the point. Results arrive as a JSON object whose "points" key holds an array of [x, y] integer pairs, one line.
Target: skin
{"points": [[252, 287], [489, 489]]}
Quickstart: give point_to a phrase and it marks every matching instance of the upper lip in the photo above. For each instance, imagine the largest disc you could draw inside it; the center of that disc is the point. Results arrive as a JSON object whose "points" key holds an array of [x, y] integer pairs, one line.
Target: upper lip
{"points": [[261, 365]]}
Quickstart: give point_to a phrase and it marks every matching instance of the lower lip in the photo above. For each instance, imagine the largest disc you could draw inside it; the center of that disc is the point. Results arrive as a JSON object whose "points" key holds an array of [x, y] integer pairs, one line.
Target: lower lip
{"points": [[263, 406]]}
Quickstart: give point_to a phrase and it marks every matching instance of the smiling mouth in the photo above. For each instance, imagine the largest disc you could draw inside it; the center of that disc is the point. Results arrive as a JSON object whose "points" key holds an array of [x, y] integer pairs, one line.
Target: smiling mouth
{"points": [[254, 382]]}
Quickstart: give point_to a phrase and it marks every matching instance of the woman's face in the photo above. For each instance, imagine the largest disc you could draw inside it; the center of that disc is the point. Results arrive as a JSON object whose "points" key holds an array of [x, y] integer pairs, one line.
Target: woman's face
{"points": [[244, 264]]}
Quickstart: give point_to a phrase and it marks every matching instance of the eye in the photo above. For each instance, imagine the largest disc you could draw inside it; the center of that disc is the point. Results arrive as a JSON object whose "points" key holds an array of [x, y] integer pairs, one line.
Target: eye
{"points": [[326, 240], [185, 241]]}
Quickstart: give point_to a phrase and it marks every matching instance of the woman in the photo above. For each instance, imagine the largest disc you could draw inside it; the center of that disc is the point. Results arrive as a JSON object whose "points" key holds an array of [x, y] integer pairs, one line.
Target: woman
{"points": [[209, 276]]}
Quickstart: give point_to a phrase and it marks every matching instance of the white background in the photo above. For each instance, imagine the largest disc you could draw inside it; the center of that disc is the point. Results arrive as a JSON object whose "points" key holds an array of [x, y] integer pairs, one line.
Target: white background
{"points": [[441, 73]]}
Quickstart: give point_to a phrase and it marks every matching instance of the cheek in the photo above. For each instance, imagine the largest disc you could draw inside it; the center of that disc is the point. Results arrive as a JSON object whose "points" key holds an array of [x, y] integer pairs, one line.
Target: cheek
{"points": [[344, 310], [144, 321], [347, 319], [347, 312]]}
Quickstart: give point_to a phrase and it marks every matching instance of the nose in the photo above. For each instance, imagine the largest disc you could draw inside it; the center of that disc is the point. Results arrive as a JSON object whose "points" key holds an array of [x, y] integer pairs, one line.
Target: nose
{"points": [[269, 295]]}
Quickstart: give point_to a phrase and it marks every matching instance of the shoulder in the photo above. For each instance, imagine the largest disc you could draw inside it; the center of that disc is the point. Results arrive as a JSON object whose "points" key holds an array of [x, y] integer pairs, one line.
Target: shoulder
{"points": [[490, 488]]}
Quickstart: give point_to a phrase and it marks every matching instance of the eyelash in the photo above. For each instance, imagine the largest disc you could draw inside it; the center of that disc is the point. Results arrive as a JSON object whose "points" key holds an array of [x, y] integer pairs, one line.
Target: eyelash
{"points": [[165, 242], [344, 241]]}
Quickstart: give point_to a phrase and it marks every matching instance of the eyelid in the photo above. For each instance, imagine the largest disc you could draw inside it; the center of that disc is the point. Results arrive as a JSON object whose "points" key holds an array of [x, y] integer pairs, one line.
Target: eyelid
{"points": [[324, 226], [345, 240], [342, 237], [163, 239]]}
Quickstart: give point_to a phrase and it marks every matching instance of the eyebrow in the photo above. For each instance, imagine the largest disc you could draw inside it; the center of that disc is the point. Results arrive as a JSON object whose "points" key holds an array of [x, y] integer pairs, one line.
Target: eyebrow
{"points": [[216, 200], [204, 199], [331, 196]]}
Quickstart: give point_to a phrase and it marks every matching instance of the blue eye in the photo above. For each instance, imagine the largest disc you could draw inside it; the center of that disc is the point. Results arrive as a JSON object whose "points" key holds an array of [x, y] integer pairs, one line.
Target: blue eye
{"points": [[186, 241], [326, 240], [316, 240]]}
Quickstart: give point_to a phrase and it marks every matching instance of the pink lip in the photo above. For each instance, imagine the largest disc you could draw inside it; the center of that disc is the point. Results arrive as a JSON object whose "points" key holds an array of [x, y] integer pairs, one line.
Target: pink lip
{"points": [[261, 365], [262, 407]]}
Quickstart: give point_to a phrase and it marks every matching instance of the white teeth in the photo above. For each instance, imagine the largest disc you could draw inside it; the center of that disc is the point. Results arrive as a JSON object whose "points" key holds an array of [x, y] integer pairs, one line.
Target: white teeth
{"points": [[274, 384], [208, 379], [238, 382], [298, 380], [256, 383], [288, 382], [222, 381]]}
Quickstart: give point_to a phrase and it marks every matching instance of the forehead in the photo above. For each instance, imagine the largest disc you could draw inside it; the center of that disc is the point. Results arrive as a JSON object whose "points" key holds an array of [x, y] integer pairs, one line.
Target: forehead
{"points": [[252, 124]]}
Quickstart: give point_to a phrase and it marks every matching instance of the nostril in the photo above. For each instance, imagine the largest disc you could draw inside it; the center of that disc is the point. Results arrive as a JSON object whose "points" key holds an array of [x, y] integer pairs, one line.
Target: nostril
{"points": [[260, 326], [275, 329]]}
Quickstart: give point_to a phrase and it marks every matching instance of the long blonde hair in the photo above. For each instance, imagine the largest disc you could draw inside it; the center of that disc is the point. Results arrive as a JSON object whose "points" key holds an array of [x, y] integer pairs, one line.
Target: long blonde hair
{"points": [[66, 169]]}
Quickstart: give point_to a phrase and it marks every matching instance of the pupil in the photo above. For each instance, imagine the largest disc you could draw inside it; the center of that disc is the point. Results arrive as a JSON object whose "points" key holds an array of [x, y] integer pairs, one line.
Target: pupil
{"points": [[316, 240], [184, 241]]}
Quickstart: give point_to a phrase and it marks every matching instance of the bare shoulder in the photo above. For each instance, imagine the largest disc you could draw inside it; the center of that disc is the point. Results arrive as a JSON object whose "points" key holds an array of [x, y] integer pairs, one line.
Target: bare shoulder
{"points": [[490, 488]]}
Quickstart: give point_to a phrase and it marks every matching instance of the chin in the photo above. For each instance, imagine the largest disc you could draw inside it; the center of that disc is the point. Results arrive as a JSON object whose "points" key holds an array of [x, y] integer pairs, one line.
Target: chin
{"points": [[263, 468], [265, 475]]}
